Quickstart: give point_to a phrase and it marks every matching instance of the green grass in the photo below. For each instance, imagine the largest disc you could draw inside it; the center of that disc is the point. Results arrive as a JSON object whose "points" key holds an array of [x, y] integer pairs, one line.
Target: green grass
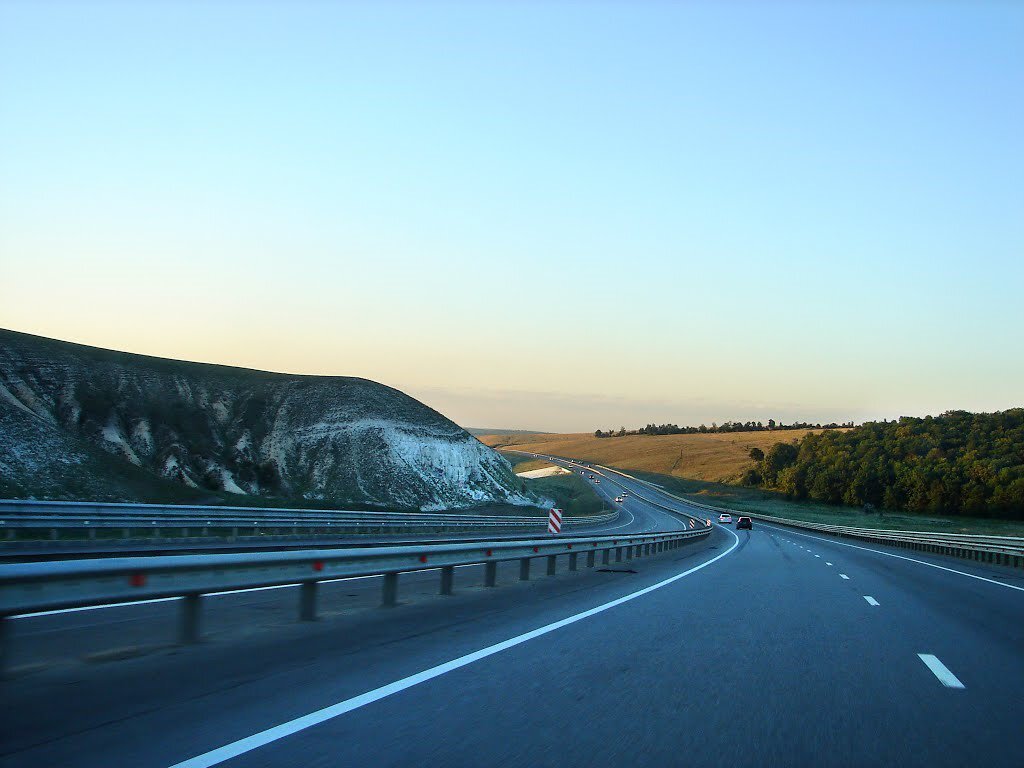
{"points": [[526, 463], [572, 494], [768, 503]]}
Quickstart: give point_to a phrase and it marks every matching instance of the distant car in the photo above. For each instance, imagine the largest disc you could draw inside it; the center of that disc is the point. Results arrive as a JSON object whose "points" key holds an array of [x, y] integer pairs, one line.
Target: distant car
{"points": [[597, 480], [625, 494], [744, 522], [619, 499], [726, 518]]}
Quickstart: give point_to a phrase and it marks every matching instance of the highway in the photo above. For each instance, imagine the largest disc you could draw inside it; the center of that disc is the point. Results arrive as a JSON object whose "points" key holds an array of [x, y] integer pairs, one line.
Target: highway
{"points": [[765, 647]]}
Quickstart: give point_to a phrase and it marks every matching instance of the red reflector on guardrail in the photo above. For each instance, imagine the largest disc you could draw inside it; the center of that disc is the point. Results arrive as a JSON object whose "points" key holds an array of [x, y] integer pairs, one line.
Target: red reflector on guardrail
{"points": [[535, 549], [488, 553], [423, 558], [318, 566], [137, 580]]}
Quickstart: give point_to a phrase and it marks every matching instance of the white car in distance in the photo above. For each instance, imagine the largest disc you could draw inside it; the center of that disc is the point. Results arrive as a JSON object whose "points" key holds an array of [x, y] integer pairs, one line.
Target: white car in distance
{"points": [[726, 518]]}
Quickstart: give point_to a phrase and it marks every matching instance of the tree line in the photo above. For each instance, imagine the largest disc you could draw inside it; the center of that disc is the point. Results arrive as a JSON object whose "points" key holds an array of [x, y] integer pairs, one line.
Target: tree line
{"points": [[958, 463], [728, 426]]}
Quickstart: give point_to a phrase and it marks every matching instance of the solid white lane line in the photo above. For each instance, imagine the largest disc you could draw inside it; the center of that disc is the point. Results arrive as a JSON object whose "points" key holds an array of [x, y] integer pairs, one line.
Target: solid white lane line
{"points": [[843, 576], [912, 560], [257, 740], [871, 600], [211, 594], [91, 608], [940, 670]]}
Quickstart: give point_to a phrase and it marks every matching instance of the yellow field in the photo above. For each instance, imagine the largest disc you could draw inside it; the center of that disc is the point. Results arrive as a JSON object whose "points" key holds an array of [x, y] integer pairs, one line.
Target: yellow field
{"points": [[715, 457]]}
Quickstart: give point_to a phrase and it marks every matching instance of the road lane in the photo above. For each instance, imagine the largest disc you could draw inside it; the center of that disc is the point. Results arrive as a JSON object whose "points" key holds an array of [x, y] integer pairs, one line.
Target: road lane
{"points": [[794, 669], [200, 693], [769, 656]]}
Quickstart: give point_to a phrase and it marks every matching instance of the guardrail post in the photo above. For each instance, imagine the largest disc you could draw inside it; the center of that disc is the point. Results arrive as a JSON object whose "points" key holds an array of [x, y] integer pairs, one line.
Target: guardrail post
{"points": [[605, 556], [447, 579], [92, 533], [572, 561], [53, 534], [552, 564], [126, 533], [390, 598], [188, 619], [491, 574], [618, 554], [524, 569], [590, 558], [307, 601], [5, 644]]}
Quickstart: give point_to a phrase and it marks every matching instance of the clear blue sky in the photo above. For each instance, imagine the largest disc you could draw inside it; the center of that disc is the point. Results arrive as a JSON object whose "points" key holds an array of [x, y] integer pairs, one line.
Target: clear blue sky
{"points": [[547, 215]]}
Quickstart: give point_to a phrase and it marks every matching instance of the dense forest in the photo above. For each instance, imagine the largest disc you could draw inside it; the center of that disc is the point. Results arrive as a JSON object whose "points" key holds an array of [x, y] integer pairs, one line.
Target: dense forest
{"points": [[728, 426], [958, 463]]}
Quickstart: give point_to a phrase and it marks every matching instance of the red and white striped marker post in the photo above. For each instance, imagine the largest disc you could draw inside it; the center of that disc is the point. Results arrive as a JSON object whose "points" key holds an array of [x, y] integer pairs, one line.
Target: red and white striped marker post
{"points": [[555, 520]]}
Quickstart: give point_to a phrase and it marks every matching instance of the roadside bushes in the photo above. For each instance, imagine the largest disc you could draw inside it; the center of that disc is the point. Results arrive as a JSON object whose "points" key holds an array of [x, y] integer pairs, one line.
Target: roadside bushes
{"points": [[957, 463]]}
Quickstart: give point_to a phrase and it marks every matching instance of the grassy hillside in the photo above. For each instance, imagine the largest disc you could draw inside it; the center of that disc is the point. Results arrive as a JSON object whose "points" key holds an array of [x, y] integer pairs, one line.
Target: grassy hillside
{"points": [[716, 457], [572, 494]]}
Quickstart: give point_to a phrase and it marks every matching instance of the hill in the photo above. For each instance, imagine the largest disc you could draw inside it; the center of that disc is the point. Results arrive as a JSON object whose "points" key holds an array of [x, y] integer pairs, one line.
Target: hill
{"points": [[718, 457], [83, 422]]}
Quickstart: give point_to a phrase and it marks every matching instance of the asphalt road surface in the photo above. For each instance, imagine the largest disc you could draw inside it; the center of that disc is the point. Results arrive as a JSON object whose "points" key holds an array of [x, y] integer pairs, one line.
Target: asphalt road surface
{"points": [[769, 647]]}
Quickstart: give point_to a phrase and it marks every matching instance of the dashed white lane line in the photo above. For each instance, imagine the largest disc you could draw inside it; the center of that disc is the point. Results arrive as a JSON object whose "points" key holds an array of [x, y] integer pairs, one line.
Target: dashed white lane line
{"points": [[277, 732], [871, 600], [911, 560], [844, 576], [817, 555], [828, 563], [940, 670]]}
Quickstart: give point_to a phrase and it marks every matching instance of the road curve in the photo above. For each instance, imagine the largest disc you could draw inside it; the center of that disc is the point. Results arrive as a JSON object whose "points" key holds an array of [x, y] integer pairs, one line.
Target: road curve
{"points": [[756, 648]]}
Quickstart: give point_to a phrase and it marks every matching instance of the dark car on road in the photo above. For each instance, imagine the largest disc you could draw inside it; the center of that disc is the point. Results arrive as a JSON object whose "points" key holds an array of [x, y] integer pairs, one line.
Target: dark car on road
{"points": [[744, 522]]}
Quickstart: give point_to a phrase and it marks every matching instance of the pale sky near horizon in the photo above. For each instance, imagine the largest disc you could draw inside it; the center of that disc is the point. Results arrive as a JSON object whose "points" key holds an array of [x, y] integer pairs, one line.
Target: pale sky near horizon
{"points": [[559, 216]]}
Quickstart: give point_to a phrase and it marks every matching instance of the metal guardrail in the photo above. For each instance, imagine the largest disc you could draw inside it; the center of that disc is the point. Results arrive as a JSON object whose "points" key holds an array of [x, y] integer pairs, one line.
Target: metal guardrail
{"points": [[55, 517], [33, 587], [1002, 550]]}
